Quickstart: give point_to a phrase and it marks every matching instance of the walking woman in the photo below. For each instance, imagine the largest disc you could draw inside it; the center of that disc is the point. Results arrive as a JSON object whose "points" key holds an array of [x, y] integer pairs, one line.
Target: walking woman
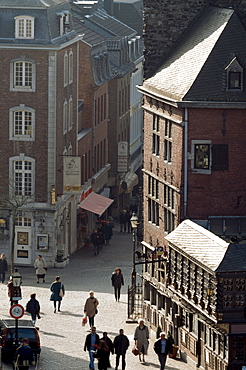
{"points": [[58, 291], [117, 282], [141, 338]]}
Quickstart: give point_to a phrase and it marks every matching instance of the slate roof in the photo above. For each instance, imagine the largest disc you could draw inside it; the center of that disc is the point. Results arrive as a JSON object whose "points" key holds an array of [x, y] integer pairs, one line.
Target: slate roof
{"points": [[234, 259], [200, 243], [130, 13], [195, 68], [30, 3], [91, 37]]}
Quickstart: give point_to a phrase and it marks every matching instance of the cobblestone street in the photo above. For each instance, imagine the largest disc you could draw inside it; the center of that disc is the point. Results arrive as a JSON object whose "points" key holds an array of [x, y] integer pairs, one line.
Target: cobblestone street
{"points": [[62, 336]]}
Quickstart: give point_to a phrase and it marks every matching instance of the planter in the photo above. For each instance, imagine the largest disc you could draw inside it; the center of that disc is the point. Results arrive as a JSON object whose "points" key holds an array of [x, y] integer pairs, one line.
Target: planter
{"points": [[175, 350], [62, 264]]}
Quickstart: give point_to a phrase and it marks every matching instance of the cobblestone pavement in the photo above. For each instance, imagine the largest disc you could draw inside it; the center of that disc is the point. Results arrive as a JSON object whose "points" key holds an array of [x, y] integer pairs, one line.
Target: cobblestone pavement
{"points": [[62, 336]]}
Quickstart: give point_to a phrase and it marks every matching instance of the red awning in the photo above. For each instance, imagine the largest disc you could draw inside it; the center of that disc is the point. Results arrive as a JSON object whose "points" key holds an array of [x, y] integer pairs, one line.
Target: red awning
{"points": [[96, 203]]}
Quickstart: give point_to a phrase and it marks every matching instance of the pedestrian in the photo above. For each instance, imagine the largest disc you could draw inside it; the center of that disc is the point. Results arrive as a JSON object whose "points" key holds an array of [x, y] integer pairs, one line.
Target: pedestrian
{"points": [[100, 231], [161, 347], [41, 268], [141, 338], [58, 291], [3, 267], [33, 307], [117, 281], [108, 232], [91, 341], [121, 344], [96, 241], [123, 221], [110, 345], [24, 356], [90, 308], [102, 355]]}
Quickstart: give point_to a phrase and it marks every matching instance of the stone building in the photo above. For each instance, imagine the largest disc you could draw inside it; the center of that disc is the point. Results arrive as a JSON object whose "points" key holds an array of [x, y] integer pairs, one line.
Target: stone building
{"points": [[197, 291]]}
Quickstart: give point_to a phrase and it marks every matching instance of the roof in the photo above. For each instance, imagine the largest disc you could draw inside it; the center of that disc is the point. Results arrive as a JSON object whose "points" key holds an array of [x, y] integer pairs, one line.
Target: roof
{"points": [[195, 68], [91, 37], [199, 243], [130, 13], [30, 3], [234, 259]]}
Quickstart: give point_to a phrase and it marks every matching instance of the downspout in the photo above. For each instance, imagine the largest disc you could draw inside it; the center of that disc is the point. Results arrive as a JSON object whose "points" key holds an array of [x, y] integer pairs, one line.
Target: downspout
{"points": [[185, 161]]}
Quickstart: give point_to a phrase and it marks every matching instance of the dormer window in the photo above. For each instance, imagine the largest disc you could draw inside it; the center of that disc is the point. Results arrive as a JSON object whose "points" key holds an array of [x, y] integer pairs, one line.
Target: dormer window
{"points": [[64, 19], [234, 75], [24, 27]]}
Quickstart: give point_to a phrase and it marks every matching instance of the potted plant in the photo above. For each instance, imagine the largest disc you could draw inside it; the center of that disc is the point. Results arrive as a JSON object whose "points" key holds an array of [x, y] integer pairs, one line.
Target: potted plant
{"points": [[61, 259], [175, 348]]}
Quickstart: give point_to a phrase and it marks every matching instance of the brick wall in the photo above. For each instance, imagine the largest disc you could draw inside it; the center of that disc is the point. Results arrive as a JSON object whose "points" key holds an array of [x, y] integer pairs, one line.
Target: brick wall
{"points": [[166, 20]]}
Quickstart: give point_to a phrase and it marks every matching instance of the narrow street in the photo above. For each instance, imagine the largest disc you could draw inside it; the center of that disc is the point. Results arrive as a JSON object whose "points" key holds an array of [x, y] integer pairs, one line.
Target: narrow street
{"points": [[62, 335]]}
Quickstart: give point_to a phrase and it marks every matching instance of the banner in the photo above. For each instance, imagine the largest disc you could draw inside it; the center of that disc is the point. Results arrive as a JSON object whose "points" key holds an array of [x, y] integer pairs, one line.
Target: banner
{"points": [[71, 175]]}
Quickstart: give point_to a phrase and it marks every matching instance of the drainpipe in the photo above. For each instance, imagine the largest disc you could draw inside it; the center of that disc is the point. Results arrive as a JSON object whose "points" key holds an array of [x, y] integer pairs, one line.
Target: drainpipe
{"points": [[185, 161]]}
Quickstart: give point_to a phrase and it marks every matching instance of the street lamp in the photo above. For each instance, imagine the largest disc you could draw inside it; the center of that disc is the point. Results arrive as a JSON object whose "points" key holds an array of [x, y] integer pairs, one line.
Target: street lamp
{"points": [[134, 225], [16, 278], [41, 227]]}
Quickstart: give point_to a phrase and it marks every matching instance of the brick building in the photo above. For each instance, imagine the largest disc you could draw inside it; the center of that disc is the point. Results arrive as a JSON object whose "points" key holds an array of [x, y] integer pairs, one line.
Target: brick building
{"points": [[194, 109], [38, 98]]}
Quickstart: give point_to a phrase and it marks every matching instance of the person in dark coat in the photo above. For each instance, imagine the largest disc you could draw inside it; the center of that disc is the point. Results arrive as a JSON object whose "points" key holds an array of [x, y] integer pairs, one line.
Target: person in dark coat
{"points": [[3, 267], [33, 307], [24, 356], [102, 355], [96, 241], [110, 345], [55, 295], [123, 221], [121, 344], [107, 232], [101, 234], [117, 281], [162, 347], [91, 343]]}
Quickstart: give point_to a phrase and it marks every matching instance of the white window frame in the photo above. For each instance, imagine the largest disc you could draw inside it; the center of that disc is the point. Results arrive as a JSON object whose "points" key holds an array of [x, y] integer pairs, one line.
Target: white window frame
{"points": [[234, 66], [70, 68], [65, 69], [70, 113], [25, 136], [22, 32], [200, 170], [23, 76], [65, 117], [13, 171]]}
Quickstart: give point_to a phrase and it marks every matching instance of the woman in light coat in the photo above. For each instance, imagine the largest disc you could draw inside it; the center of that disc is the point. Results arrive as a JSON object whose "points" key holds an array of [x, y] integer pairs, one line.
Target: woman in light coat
{"points": [[141, 338], [41, 267], [90, 308]]}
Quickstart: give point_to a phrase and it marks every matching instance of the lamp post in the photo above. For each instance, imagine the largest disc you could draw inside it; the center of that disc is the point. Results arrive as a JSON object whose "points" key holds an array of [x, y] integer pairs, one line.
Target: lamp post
{"points": [[16, 279], [134, 225]]}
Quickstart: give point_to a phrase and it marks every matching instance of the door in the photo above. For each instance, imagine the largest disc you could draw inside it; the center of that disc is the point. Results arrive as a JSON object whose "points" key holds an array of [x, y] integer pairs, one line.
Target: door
{"points": [[23, 242]]}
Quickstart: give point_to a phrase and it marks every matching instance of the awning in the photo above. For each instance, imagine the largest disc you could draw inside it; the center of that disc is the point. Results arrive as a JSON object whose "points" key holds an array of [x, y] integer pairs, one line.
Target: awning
{"points": [[130, 180], [96, 203]]}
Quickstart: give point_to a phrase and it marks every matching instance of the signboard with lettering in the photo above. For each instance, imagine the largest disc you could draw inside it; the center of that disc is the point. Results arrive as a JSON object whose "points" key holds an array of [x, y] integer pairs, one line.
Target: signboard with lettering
{"points": [[122, 164], [71, 175]]}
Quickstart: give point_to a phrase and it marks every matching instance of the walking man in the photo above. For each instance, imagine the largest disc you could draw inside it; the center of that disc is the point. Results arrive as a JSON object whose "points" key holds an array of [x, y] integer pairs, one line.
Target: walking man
{"points": [[161, 347], [24, 356], [117, 282], [3, 267], [91, 341], [33, 307], [121, 344]]}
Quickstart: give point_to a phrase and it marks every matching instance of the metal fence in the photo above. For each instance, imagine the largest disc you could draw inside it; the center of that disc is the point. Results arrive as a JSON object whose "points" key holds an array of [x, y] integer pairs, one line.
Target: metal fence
{"points": [[135, 302]]}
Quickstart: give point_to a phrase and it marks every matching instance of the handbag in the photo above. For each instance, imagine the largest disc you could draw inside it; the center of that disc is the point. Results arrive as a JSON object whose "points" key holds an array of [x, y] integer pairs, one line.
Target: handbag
{"points": [[84, 320], [135, 351], [61, 294]]}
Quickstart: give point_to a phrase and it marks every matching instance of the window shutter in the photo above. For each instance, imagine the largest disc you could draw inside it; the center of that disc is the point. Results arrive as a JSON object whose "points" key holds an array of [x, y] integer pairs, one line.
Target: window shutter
{"points": [[220, 157]]}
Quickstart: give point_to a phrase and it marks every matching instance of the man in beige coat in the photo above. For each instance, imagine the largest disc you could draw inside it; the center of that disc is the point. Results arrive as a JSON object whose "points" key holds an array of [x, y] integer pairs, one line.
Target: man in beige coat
{"points": [[90, 308]]}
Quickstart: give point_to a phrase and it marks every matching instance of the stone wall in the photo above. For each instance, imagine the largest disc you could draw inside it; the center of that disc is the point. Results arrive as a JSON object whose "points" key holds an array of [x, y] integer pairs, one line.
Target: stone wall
{"points": [[166, 20]]}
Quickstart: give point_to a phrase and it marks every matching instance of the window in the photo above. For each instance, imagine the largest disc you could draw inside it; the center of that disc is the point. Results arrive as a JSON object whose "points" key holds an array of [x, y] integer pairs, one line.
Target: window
{"points": [[153, 201], [22, 123], [156, 135], [169, 208], [70, 113], [65, 117], [22, 170], [234, 75], [168, 141], [207, 156], [65, 69], [22, 75], [24, 27], [70, 66]]}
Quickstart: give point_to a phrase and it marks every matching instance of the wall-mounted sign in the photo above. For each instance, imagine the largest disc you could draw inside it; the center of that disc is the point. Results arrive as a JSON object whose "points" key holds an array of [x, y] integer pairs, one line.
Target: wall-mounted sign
{"points": [[71, 175], [123, 148]]}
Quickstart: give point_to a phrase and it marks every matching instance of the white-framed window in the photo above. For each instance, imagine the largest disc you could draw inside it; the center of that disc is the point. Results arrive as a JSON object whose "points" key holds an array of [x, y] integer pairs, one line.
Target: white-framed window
{"points": [[70, 77], [65, 117], [70, 113], [234, 73], [24, 27], [21, 123], [153, 200], [65, 69], [22, 75], [168, 141], [22, 180], [70, 149], [201, 156], [156, 135]]}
